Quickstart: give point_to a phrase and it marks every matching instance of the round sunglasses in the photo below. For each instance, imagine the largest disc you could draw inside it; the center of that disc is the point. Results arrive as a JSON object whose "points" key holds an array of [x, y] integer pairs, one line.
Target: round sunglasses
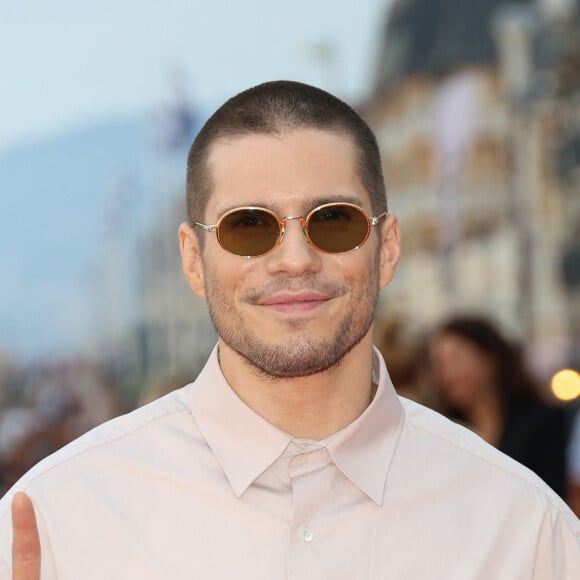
{"points": [[331, 227]]}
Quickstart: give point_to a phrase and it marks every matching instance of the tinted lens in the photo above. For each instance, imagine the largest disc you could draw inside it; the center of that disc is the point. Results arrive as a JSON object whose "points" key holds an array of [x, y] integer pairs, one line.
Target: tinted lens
{"points": [[338, 227], [248, 232]]}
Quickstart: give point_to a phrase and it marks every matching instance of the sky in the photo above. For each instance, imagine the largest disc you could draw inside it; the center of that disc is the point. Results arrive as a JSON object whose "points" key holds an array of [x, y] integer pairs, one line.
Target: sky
{"points": [[68, 62]]}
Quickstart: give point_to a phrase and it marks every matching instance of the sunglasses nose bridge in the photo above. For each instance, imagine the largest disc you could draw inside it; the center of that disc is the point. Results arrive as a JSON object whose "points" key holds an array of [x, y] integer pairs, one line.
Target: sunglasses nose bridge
{"points": [[303, 225], [282, 226]]}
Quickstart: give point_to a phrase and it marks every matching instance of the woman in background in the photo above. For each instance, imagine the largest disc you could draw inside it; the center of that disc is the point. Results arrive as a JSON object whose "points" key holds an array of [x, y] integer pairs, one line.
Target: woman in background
{"points": [[481, 382]]}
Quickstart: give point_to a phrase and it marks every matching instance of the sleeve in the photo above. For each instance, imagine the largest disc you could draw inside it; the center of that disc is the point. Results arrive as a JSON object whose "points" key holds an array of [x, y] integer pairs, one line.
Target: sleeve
{"points": [[558, 548]]}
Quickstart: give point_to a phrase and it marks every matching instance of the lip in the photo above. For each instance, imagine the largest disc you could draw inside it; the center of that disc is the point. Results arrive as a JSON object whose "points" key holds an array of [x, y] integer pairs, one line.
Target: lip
{"points": [[294, 302]]}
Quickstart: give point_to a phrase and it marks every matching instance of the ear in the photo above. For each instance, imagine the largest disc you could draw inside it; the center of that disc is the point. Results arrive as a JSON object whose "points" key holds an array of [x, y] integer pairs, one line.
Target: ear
{"points": [[390, 249], [191, 259]]}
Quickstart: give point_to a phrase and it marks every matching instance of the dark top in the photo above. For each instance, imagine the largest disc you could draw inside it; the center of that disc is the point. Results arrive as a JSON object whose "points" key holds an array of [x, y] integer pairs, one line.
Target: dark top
{"points": [[537, 436]]}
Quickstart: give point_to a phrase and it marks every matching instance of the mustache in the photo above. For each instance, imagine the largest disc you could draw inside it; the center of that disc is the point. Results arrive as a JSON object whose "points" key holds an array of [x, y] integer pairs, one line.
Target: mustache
{"points": [[295, 285]]}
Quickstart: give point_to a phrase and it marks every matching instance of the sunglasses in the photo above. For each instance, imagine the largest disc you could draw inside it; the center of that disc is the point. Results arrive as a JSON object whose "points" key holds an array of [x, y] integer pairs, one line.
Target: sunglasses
{"points": [[254, 231]]}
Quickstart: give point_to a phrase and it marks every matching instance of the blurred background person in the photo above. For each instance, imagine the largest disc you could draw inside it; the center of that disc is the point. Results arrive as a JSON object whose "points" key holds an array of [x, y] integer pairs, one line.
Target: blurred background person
{"points": [[480, 381], [404, 353]]}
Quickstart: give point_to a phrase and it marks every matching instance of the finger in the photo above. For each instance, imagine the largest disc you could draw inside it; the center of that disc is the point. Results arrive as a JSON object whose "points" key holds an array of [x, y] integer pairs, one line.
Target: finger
{"points": [[25, 542]]}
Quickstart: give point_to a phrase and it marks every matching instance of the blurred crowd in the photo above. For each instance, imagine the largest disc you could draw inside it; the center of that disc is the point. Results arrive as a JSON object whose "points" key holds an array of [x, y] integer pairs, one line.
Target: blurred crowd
{"points": [[465, 368]]}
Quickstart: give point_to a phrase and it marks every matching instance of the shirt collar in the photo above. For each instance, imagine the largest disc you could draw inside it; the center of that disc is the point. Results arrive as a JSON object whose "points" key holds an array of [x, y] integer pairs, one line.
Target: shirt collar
{"points": [[364, 450], [245, 444]]}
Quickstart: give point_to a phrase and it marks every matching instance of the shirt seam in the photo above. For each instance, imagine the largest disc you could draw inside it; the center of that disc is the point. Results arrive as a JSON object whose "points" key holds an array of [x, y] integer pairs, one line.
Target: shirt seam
{"points": [[536, 554]]}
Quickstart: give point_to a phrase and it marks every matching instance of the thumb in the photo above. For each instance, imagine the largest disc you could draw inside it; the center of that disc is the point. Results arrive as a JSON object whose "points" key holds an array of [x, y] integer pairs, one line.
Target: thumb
{"points": [[25, 541]]}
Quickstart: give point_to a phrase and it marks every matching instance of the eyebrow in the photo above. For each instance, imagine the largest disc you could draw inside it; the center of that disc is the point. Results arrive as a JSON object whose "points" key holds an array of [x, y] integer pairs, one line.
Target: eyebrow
{"points": [[309, 203]]}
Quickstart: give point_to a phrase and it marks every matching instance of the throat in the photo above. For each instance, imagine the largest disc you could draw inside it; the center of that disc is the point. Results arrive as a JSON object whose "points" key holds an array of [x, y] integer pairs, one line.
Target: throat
{"points": [[312, 412]]}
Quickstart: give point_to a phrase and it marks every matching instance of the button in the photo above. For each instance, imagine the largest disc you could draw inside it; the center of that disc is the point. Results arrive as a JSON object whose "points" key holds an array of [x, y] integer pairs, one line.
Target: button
{"points": [[307, 532]]}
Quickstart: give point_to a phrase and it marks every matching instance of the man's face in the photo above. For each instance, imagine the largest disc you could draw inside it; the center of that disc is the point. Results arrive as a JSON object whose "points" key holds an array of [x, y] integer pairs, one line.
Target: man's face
{"points": [[294, 311]]}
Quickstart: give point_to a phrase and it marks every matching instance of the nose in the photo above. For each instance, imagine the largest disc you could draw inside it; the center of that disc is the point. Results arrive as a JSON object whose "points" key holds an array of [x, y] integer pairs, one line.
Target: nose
{"points": [[294, 255]]}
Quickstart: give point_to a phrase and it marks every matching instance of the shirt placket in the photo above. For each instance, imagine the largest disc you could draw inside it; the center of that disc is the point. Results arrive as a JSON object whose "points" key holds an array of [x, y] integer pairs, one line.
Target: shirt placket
{"points": [[309, 477]]}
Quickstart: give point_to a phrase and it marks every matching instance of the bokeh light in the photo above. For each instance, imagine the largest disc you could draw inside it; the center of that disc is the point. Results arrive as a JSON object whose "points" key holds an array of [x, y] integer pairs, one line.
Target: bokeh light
{"points": [[566, 384]]}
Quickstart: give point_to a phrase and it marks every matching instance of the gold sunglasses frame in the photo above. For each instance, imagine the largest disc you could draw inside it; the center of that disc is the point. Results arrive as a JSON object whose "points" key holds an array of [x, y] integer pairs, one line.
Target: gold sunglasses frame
{"points": [[304, 221]]}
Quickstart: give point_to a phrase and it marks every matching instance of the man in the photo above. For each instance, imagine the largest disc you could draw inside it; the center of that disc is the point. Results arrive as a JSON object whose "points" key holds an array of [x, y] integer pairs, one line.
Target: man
{"points": [[291, 455]]}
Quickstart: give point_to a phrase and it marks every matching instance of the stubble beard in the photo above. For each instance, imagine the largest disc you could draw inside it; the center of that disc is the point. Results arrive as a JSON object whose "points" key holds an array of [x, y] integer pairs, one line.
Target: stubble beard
{"points": [[298, 353]]}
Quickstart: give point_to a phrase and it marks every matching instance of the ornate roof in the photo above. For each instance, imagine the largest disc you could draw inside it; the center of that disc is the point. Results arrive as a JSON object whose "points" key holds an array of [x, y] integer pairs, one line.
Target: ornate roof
{"points": [[436, 36]]}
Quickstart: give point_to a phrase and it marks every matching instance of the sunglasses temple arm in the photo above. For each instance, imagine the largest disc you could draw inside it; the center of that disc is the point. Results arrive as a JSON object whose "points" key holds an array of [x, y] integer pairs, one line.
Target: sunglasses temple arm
{"points": [[206, 227], [375, 220]]}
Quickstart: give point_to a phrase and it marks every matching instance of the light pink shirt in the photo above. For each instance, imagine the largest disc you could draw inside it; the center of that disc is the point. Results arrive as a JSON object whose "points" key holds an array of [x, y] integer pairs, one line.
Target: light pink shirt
{"points": [[197, 486]]}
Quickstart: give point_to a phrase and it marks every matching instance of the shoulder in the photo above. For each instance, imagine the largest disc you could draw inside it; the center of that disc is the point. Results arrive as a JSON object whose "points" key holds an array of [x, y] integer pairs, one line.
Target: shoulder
{"points": [[460, 457], [127, 436]]}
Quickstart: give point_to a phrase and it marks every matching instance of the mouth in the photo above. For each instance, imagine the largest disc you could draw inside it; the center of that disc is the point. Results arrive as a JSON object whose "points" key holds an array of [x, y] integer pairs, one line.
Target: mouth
{"points": [[294, 302]]}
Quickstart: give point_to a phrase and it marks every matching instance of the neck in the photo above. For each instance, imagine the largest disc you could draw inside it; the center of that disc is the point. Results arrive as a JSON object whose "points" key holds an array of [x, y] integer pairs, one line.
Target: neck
{"points": [[310, 407]]}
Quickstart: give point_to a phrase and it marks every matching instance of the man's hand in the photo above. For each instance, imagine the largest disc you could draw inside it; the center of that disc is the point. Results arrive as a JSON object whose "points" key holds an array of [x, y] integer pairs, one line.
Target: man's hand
{"points": [[25, 543]]}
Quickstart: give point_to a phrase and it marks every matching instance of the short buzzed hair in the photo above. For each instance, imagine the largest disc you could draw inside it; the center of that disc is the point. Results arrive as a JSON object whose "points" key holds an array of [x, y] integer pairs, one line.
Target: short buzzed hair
{"points": [[271, 109]]}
